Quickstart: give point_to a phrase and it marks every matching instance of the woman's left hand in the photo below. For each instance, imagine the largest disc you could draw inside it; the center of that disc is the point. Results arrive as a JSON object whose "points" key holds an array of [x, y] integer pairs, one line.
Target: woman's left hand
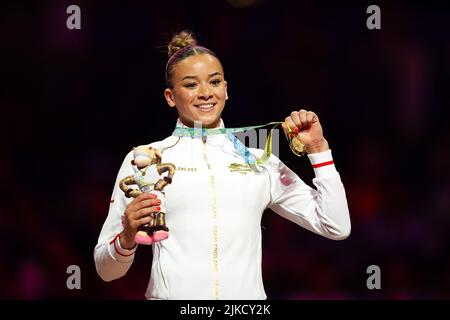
{"points": [[306, 125]]}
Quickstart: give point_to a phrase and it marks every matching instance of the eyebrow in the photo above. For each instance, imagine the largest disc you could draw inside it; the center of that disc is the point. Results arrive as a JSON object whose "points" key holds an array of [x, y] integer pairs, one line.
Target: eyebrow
{"points": [[195, 77]]}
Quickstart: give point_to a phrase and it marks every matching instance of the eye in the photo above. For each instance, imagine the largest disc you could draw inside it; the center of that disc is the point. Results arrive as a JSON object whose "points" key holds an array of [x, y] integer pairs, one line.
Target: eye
{"points": [[216, 82], [190, 85]]}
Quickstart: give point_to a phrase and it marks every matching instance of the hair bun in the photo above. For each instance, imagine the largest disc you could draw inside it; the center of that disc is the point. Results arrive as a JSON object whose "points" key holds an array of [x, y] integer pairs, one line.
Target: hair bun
{"points": [[181, 40]]}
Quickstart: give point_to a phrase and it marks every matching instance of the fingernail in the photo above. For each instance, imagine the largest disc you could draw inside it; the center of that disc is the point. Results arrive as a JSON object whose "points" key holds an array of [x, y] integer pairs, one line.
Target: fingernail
{"points": [[153, 196], [158, 208], [296, 130], [158, 201]]}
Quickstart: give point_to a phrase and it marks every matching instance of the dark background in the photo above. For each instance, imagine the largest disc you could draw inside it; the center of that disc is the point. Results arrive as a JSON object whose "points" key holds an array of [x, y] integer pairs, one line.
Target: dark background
{"points": [[69, 99]]}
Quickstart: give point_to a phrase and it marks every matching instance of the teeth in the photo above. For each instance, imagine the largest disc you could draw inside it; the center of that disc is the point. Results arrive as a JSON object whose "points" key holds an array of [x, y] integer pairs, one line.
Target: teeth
{"points": [[205, 106]]}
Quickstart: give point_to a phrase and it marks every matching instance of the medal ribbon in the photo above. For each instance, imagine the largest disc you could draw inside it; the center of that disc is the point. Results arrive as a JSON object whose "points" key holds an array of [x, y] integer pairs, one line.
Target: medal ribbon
{"points": [[239, 147]]}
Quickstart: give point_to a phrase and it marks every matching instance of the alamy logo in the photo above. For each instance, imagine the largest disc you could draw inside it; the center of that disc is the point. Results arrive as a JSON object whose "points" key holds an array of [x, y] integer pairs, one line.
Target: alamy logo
{"points": [[74, 280], [74, 20], [257, 138], [374, 20], [374, 281]]}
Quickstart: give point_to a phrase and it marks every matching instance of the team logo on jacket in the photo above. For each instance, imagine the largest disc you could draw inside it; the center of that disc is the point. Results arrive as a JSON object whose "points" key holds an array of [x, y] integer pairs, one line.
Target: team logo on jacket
{"points": [[185, 169], [242, 168]]}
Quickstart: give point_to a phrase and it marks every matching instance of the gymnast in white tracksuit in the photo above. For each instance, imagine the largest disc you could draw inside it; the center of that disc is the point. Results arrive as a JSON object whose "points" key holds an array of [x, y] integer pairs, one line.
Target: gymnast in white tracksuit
{"points": [[216, 199]]}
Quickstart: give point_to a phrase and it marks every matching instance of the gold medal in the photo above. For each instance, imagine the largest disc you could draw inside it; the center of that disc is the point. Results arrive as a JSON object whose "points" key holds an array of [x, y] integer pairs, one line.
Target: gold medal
{"points": [[297, 147]]}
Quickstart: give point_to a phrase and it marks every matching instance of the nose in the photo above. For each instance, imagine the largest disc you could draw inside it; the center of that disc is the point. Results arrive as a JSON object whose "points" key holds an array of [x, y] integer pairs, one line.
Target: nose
{"points": [[204, 92]]}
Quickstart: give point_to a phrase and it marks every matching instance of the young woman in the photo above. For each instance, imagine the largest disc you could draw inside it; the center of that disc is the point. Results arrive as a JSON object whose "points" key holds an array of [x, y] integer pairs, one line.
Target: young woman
{"points": [[214, 212]]}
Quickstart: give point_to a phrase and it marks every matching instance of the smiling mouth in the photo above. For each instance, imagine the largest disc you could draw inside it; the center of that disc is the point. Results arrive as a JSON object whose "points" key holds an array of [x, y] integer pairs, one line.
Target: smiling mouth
{"points": [[205, 107]]}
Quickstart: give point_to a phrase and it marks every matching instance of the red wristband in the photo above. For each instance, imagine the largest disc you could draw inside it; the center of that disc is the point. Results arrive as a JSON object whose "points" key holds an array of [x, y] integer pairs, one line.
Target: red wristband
{"points": [[115, 246], [322, 164]]}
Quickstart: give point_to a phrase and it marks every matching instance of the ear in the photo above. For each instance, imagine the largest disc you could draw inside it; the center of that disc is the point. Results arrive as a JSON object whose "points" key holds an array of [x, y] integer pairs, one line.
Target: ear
{"points": [[226, 90], [169, 97]]}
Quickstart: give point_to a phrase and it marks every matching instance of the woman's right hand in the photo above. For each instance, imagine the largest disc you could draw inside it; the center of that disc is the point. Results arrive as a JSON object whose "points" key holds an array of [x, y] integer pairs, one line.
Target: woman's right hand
{"points": [[136, 214]]}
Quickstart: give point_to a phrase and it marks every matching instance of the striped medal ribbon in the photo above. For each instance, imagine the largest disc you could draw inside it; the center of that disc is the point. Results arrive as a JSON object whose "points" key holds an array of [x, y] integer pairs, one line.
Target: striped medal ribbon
{"points": [[239, 147]]}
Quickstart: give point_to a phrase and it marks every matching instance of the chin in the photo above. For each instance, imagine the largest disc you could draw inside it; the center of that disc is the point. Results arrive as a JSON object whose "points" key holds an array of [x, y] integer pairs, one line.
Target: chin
{"points": [[209, 121]]}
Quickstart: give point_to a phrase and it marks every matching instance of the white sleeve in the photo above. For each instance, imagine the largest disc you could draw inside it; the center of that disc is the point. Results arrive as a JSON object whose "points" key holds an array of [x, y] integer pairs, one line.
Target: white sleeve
{"points": [[111, 260], [323, 210]]}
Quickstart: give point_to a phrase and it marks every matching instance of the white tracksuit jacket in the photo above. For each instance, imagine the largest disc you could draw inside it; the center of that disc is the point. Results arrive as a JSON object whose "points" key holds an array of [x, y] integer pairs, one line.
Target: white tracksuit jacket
{"points": [[214, 209]]}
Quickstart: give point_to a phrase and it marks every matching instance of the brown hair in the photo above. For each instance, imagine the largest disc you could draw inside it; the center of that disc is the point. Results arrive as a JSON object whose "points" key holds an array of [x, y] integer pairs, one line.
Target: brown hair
{"points": [[181, 46]]}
